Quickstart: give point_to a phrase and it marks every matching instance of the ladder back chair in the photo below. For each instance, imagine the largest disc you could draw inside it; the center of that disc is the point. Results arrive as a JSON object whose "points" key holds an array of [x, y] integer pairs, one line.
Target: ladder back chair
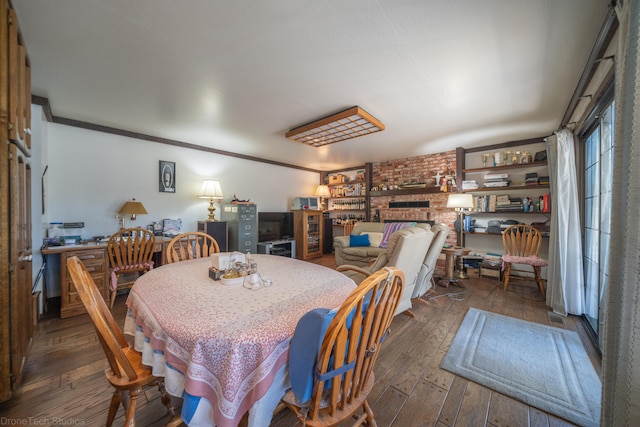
{"points": [[130, 255], [124, 370], [522, 246], [343, 374], [191, 245]]}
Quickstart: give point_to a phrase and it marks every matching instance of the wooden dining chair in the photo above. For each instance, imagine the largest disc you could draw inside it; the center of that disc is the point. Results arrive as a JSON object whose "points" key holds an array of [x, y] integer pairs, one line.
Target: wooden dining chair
{"points": [[343, 374], [191, 245], [522, 246], [130, 255], [124, 369]]}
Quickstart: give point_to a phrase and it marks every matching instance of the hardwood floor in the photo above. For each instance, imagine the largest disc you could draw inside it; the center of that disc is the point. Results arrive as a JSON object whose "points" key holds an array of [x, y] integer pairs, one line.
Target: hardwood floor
{"points": [[64, 381]]}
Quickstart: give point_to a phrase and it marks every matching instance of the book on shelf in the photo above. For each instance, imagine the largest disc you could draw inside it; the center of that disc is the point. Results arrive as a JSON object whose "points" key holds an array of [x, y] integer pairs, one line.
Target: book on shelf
{"points": [[503, 200], [496, 184], [496, 176], [470, 185]]}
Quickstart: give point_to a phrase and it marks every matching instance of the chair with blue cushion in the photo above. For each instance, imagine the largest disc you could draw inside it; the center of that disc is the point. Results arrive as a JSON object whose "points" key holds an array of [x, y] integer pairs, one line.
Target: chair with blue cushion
{"points": [[333, 352]]}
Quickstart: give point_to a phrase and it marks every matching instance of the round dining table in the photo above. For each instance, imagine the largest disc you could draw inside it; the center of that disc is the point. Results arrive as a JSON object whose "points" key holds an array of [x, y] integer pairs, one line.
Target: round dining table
{"points": [[224, 348]]}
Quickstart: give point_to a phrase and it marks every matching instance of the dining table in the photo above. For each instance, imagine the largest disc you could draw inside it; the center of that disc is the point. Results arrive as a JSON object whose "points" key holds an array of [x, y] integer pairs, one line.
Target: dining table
{"points": [[223, 348]]}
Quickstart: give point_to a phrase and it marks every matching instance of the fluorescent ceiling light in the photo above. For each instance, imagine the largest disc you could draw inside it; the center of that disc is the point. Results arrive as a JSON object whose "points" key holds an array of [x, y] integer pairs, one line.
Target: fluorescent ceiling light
{"points": [[337, 127]]}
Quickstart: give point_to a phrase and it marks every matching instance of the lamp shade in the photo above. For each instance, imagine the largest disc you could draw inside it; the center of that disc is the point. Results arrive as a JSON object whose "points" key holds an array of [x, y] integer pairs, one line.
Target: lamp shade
{"points": [[210, 189], [323, 191], [132, 208], [460, 201]]}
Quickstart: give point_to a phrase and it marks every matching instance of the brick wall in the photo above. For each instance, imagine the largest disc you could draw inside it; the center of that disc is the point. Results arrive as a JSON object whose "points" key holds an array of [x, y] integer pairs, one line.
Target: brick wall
{"points": [[413, 170]]}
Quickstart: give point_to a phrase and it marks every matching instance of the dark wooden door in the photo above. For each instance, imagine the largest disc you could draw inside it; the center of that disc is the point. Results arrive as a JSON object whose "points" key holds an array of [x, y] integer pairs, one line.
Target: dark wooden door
{"points": [[16, 327]]}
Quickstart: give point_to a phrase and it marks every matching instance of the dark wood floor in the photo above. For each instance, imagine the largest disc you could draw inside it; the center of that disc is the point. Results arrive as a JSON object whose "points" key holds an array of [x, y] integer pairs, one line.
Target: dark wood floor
{"points": [[64, 382]]}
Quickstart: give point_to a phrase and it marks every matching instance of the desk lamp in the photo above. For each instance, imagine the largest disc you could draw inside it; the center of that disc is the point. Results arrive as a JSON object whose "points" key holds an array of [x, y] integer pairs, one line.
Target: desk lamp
{"points": [[323, 192], [211, 190], [130, 209]]}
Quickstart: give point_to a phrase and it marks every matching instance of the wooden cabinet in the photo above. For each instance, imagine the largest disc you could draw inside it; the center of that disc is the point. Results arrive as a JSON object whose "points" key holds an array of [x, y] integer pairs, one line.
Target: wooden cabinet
{"points": [[216, 229], [16, 323], [307, 229], [97, 263]]}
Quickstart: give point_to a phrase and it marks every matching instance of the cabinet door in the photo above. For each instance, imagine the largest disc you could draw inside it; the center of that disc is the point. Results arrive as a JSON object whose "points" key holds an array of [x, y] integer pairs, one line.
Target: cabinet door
{"points": [[21, 326], [216, 229], [308, 232]]}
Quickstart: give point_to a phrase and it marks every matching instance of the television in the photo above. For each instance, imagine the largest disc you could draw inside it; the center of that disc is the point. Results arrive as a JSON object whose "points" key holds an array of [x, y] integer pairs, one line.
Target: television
{"points": [[274, 226]]}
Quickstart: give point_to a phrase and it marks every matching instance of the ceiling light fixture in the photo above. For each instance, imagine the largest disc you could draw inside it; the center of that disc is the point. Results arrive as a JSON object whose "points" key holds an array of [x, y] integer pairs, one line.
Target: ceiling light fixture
{"points": [[346, 124]]}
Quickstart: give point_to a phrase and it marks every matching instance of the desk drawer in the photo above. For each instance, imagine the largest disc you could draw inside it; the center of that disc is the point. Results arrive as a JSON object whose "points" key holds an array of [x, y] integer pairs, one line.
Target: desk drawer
{"points": [[96, 262], [90, 255]]}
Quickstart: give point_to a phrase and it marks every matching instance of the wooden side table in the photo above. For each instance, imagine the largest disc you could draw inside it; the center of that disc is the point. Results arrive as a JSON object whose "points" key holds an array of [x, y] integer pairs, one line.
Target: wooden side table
{"points": [[450, 262]]}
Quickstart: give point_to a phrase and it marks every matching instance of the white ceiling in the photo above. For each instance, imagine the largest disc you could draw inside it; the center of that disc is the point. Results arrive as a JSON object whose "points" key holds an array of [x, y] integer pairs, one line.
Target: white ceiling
{"points": [[236, 75]]}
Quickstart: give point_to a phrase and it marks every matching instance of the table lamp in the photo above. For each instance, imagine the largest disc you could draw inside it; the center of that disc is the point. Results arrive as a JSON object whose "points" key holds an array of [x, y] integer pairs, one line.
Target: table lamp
{"points": [[130, 209], [211, 190], [323, 192], [461, 203]]}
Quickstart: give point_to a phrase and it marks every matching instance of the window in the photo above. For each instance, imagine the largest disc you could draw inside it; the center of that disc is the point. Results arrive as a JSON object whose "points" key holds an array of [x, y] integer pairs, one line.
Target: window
{"points": [[598, 177]]}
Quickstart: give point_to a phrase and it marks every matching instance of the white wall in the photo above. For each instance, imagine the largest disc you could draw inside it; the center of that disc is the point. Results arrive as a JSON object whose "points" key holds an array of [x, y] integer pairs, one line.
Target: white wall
{"points": [[91, 174]]}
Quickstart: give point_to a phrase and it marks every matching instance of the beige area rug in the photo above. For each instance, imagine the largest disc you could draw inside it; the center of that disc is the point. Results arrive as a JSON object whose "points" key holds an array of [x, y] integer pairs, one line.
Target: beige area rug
{"points": [[542, 366]]}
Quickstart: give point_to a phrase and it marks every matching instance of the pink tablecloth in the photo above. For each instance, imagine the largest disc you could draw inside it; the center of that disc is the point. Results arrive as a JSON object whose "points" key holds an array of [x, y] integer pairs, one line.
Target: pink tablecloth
{"points": [[228, 341]]}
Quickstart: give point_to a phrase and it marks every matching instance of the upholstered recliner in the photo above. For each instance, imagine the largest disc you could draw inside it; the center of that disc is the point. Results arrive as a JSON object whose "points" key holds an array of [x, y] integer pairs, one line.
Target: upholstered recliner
{"points": [[425, 276], [405, 251]]}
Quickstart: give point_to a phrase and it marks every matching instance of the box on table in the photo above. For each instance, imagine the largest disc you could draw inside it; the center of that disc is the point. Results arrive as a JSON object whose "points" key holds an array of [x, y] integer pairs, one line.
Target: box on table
{"points": [[222, 260]]}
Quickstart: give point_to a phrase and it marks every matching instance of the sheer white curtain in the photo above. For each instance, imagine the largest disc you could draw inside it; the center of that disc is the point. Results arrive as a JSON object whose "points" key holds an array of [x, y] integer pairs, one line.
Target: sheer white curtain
{"points": [[565, 281], [621, 355]]}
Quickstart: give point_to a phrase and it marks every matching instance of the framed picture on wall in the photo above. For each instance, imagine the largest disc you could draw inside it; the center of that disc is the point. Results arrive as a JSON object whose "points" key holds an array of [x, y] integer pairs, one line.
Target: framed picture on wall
{"points": [[167, 177]]}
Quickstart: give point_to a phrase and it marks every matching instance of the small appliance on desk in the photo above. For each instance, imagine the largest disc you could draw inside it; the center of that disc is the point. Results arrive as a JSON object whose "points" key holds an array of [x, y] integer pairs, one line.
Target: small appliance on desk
{"points": [[59, 233]]}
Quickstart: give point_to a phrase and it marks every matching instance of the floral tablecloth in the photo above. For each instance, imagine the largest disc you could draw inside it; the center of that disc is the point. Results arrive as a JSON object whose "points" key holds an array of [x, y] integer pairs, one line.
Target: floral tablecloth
{"points": [[225, 344]]}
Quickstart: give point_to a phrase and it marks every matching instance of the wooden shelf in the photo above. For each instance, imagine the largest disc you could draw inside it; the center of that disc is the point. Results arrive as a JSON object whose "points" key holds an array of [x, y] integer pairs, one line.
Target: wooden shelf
{"points": [[508, 188], [505, 167], [344, 184], [405, 191], [508, 213]]}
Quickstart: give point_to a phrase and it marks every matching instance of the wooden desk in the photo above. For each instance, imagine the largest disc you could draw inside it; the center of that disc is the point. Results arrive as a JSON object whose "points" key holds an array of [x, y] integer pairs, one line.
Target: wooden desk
{"points": [[226, 347], [450, 261], [94, 257]]}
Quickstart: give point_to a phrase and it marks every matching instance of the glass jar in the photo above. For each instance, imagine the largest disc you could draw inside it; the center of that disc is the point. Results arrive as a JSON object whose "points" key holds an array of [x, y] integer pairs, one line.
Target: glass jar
{"points": [[507, 157]]}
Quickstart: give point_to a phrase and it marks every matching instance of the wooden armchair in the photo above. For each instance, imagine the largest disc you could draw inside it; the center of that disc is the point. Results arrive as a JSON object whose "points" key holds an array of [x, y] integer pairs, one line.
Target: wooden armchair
{"points": [[130, 252], [191, 245], [124, 371], [522, 246], [343, 374]]}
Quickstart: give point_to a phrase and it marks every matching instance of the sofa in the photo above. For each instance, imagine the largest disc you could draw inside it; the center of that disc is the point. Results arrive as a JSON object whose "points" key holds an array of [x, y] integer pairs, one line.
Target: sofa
{"points": [[362, 256], [357, 255]]}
